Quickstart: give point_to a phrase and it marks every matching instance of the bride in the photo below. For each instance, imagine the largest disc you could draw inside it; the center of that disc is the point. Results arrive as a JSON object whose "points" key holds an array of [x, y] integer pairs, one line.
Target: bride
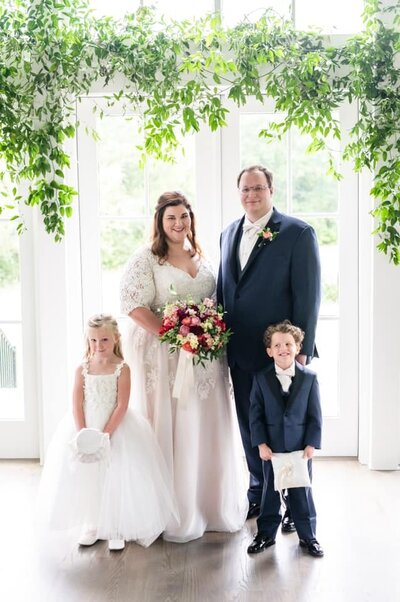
{"points": [[199, 436]]}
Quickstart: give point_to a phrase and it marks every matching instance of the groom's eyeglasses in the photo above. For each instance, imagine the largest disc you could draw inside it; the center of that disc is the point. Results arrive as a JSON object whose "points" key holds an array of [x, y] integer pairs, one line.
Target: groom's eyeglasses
{"points": [[256, 189]]}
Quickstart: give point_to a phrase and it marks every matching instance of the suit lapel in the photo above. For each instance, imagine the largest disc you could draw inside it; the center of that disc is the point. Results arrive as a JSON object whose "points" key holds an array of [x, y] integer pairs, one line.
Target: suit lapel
{"points": [[262, 245], [233, 248], [296, 385], [275, 386]]}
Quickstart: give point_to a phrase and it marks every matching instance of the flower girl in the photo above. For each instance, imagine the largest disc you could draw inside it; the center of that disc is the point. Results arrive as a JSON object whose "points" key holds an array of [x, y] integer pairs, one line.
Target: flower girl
{"points": [[106, 474]]}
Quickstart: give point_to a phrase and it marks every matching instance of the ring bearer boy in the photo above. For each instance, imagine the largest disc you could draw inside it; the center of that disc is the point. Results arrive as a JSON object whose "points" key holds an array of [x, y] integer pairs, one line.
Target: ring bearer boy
{"points": [[285, 416]]}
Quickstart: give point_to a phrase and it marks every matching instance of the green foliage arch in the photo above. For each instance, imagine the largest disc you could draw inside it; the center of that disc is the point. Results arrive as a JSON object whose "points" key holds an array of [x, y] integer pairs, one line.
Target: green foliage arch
{"points": [[53, 51]]}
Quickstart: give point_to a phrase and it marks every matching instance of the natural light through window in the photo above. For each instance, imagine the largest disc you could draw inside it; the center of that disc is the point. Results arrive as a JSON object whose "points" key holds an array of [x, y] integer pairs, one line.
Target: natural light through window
{"points": [[252, 10], [174, 9], [341, 16]]}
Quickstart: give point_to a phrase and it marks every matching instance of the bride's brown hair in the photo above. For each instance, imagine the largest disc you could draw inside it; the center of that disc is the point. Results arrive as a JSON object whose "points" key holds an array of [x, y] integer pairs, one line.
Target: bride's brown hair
{"points": [[159, 245]]}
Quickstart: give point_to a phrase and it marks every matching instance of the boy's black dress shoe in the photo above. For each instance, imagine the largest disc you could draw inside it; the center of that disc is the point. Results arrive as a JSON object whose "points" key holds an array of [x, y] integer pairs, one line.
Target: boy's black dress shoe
{"points": [[287, 524], [312, 546], [254, 510], [260, 543]]}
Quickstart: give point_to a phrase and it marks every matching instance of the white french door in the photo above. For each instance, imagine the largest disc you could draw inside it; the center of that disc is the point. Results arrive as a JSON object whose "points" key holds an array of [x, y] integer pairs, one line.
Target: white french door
{"points": [[303, 189], [116, 207], [18, 384]]}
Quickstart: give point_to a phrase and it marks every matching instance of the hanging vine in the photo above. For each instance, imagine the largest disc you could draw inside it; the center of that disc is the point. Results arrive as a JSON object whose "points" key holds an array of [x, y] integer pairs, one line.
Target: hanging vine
{"points": [[52, 52]]}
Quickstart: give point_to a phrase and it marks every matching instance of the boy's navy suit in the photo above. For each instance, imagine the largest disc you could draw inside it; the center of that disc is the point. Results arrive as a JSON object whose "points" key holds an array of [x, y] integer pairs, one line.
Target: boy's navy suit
{"points": [[286, 422], [281, 280]]}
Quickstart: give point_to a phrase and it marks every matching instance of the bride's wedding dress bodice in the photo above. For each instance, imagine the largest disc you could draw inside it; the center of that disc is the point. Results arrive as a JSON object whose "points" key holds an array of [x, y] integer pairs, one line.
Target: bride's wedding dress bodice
{"points": [[147, 283]]}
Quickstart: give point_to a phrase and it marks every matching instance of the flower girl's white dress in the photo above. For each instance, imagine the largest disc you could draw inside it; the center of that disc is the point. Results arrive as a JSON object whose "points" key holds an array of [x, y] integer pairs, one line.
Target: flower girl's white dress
{"points": [[127, 495], [198, 435]]}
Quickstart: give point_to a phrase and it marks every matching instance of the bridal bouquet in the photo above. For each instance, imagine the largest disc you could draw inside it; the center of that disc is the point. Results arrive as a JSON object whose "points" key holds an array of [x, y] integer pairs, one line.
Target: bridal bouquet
{"points": [[197, 328]]}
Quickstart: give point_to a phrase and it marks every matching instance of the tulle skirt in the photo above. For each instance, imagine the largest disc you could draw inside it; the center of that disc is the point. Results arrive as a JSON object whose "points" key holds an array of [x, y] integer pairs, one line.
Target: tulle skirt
{"points": [[127, 496]]}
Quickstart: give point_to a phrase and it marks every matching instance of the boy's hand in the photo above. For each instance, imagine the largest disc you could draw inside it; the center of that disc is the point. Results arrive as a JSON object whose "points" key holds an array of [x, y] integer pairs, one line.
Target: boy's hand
{"points": [[265, 452], [308, 452]]}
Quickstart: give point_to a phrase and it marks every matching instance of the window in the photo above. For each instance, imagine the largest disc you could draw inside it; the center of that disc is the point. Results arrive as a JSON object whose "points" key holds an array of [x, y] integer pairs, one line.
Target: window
{"points": [[11, 373], [123, 196], [341, 17]]}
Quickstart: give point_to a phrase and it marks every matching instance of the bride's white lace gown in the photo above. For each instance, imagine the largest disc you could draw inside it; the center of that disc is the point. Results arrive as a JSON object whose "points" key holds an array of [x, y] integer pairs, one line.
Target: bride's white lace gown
{"points": [[199, 438]]}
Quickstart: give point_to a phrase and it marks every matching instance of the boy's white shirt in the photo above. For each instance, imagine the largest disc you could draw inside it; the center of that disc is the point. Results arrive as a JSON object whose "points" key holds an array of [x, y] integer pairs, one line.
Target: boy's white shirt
{"points": [[285, 376]]}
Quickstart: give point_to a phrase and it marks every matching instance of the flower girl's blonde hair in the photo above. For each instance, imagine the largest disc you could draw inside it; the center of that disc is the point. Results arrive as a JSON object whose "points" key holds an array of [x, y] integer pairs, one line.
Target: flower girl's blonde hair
{"points": [[98, 321]]}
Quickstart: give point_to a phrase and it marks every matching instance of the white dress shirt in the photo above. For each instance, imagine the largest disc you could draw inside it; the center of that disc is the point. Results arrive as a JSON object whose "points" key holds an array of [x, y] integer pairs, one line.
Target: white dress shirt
{"points": [[285, 376], [249, 237]]}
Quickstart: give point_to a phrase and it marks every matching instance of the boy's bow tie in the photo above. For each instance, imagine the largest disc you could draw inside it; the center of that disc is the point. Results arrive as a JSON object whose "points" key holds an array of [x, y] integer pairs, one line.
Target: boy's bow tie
{"points": [[289, 371], [285, 377]]}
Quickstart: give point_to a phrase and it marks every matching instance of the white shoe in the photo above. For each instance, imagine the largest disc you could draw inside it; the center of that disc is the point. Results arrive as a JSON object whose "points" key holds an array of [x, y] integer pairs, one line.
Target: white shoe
{"points": [[88, 538], [116, 544]]}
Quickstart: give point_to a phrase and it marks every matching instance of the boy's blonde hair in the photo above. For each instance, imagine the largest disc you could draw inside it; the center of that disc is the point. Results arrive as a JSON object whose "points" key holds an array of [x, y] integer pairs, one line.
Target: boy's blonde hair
{"points": [[98, 321], [285, 327]]}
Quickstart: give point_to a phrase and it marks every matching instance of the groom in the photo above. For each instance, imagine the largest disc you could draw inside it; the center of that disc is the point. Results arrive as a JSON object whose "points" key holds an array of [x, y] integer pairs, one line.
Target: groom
{"points": [[269, 272]]}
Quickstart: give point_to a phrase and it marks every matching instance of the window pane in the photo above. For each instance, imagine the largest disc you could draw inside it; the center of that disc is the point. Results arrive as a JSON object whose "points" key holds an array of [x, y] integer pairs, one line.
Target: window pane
{"points": [[121, 181], [178, 10], [327, 234], [10, 291], [178, 176], [259, 151], [340, 16], [127, 190], [327, 365], [117, 8], [313, 189], [128, 195], [235, 12], [11, 373], [119, 239]]}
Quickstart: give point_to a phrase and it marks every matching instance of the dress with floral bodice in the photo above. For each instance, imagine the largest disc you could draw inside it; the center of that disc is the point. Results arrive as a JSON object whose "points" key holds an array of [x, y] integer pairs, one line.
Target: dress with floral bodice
{"points": [[199, 437]]}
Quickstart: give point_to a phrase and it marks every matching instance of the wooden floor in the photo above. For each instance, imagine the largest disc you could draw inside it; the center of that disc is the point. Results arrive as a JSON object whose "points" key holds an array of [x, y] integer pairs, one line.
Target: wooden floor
{"points": [[358, 526]]}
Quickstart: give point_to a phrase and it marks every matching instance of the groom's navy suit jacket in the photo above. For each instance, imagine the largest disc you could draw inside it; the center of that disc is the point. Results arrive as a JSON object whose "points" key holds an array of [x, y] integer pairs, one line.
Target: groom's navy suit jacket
{"points": [[285, 423], [281, 280]]}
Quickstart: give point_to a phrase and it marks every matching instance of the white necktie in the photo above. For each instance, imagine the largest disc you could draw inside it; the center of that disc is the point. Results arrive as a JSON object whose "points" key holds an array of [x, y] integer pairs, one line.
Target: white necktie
{"points": [[248, 241], [252, 228], [285, 377]]}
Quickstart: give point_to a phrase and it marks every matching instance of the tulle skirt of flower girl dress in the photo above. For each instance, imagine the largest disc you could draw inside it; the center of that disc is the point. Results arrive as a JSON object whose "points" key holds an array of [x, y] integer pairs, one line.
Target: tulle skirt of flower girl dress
{"points": [[127, 496]]}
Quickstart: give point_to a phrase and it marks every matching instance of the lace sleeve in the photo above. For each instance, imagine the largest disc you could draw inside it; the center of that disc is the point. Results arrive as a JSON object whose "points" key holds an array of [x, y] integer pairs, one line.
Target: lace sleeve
{"points": [[137, 283]]}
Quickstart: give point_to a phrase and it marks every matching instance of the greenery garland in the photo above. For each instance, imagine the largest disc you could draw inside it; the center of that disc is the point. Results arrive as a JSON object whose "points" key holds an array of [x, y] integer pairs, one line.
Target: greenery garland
{"points": [[52, 52]]}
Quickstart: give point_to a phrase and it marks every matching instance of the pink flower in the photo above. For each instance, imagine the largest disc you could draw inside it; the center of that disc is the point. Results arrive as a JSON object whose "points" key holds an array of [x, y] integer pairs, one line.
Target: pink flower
{"points": [[266, 235], [208, 302]]}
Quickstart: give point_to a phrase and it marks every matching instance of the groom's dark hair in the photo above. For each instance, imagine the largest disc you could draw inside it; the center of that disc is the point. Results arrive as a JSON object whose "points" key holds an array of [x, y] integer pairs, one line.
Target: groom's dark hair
{"points": [[268, 174], [159, 245]]}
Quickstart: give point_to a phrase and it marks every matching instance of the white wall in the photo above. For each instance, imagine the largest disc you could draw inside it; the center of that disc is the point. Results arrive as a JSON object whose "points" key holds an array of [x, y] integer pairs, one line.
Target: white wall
{"points": [[379, 348]]}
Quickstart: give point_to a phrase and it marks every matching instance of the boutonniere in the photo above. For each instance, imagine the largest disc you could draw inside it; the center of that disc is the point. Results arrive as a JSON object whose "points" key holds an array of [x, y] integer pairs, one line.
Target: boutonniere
{"points": [[266, 235]]}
